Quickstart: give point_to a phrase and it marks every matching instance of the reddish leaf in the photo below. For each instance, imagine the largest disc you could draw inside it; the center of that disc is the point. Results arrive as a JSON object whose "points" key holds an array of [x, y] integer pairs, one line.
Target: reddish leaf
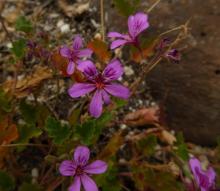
{"points": [[8, 133], [59, 62], [147, 51], [100, 48], [78, 76]]}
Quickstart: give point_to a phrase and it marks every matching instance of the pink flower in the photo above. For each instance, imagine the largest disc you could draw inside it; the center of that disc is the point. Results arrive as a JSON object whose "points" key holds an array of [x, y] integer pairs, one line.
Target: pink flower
{"points": [[100, 84], [75, 53], [205, 179], [136, 24], [81, 170]]}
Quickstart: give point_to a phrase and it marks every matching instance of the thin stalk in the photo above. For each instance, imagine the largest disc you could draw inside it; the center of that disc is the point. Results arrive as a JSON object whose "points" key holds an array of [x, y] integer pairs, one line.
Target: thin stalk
{"points": [[102, 19]]}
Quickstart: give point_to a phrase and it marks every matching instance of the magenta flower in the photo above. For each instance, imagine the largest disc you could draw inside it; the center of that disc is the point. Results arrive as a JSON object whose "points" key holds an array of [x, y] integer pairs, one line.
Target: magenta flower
{"points": [[100, 84], [136, 24], [75, 53], [205, 180], [81, 170]]}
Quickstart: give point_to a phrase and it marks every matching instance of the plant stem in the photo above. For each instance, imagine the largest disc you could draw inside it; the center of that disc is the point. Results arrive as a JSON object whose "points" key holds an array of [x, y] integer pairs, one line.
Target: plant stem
{"points": [[153, 6], [102, 19]]}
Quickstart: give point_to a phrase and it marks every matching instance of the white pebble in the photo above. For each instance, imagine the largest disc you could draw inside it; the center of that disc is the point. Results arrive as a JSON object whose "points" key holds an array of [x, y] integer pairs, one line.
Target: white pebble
{"points": [[128, 71], [123, 126], [60, 23], [65, 28]]}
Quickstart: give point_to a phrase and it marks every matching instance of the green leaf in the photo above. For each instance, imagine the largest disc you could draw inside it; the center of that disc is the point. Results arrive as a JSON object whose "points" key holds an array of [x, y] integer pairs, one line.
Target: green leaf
{"points": [[58, 132], [147, 145], [5, 103], [22, 24], [29, 112], [86, 131], [92, 128], [127, 7], [26, 132], [120, 102], [182, 150], [6, 182], [18, 48], [28, 186], [109, 180]]}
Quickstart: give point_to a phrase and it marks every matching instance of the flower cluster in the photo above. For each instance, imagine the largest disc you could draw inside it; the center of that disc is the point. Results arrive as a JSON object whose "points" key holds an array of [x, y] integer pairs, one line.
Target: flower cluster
{"points": [[101, 84]]}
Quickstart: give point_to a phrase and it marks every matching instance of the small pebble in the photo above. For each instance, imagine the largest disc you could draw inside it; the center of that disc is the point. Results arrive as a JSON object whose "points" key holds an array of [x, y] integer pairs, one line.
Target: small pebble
{"points": [[123, 126], [65, 28], [128, 71]]}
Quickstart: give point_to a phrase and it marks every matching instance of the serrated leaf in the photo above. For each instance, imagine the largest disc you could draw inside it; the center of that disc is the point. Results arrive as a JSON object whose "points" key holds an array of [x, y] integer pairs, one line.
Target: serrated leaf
{"points": [[23, 24], [28, 131], [29, 112], [147, 145], [6, 182], [58, 132], [86, 131], [5, 103], [18, 48], [28, 186], [90, 130]]}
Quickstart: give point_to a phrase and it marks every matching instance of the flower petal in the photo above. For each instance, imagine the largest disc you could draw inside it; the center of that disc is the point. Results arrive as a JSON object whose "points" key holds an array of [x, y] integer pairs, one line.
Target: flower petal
{"points": [[79, 89], [88, 68], [210, 173], [97, 167], [118, 90], [84, 53], [113, 70], [194, 164], [117, 43], [81, 155], [70, 68], [67, 168], [65, 52], [116, 35], [88, 183], [77, 42], [95, 107], [137, 23], [75, 186], [106, 97]]}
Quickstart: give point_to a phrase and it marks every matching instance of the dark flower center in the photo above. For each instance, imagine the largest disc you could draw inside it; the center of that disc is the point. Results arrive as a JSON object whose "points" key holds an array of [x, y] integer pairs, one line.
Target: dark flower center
{"points": [[99, 82], [79, 170]]}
